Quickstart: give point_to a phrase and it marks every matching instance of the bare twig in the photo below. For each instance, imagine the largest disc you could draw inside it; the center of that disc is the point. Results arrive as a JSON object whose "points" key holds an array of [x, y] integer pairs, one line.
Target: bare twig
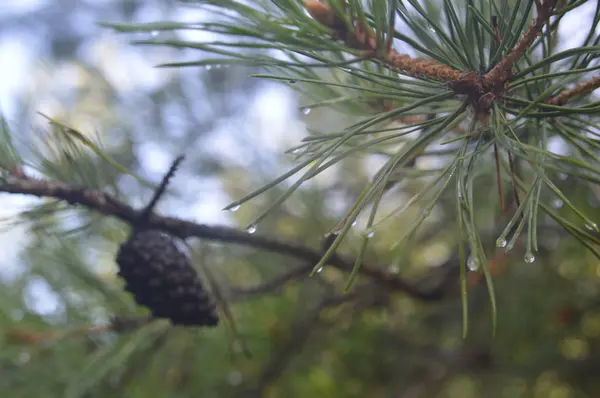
{"points": [[110, 206]]}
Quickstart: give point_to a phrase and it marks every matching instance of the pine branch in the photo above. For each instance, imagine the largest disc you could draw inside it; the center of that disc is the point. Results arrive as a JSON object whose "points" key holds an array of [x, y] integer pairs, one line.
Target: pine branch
{"points": [[503, 70], [364, 38], [106, 204], [581, 89]]}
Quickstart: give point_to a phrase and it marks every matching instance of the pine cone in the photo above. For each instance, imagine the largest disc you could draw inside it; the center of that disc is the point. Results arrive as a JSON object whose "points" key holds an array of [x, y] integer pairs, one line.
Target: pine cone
{"points": [[159, 274]]}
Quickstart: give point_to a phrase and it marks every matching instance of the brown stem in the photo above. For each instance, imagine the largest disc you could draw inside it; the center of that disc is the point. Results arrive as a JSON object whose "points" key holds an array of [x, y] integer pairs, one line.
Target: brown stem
{"points": [[362, 37], [582, 88], [503, 70]]}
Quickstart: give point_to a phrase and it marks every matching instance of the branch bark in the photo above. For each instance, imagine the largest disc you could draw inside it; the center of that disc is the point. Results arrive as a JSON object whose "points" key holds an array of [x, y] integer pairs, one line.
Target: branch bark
{"points": [[107, 204], [581, 89]]}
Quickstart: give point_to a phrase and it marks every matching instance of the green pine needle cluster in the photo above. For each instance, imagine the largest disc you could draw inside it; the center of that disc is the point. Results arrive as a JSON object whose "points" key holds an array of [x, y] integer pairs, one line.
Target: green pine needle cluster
{"points": [[406, 115], [288, 40]]}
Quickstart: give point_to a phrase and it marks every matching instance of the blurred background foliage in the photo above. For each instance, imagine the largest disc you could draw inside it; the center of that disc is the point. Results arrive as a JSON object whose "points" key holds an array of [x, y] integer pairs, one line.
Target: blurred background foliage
{"points": [[60, 291]]}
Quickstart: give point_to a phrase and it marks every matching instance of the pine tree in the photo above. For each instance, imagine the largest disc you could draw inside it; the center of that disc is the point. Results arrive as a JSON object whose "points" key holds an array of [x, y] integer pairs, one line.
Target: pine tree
{"points": [[462, 105]]}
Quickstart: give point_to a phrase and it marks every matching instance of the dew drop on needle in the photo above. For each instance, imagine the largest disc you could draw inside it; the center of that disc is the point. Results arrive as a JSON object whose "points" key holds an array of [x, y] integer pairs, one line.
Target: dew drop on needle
{"points": [[473, 264]]}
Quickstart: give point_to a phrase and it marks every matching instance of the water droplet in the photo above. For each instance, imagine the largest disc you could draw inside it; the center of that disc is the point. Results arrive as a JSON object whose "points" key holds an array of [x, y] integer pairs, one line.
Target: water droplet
{"points": [[529, 258], [319, 270], [251, 229], [354, 223], [592, 226], [335, 231], [235, 208], [557, 203], [306, 111], [154, 33], [208, 67], [473, 264], [501, 243], [432, 30], [347, 70], [370, 235]]}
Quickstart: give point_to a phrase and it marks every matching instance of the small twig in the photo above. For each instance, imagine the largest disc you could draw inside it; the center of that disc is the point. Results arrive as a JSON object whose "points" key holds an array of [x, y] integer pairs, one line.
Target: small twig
{"points": [[581, 89], [496, 29], [160, 191]]}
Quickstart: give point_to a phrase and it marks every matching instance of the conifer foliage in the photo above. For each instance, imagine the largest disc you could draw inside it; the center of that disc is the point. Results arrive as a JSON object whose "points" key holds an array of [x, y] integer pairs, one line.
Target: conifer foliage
{"points": [[468, 82]]}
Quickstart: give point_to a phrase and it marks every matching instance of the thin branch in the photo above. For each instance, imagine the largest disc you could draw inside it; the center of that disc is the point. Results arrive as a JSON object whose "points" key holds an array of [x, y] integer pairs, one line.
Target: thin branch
{"points": [[503, 70], [581, 89], [106, 204], [362, 37], [272, 285]]}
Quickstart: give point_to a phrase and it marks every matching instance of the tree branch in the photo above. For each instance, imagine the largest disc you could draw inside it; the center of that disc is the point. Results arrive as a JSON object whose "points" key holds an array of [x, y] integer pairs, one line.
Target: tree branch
{"points": [[582, 88], [107, 204], [361, 37], [503, 70]]}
